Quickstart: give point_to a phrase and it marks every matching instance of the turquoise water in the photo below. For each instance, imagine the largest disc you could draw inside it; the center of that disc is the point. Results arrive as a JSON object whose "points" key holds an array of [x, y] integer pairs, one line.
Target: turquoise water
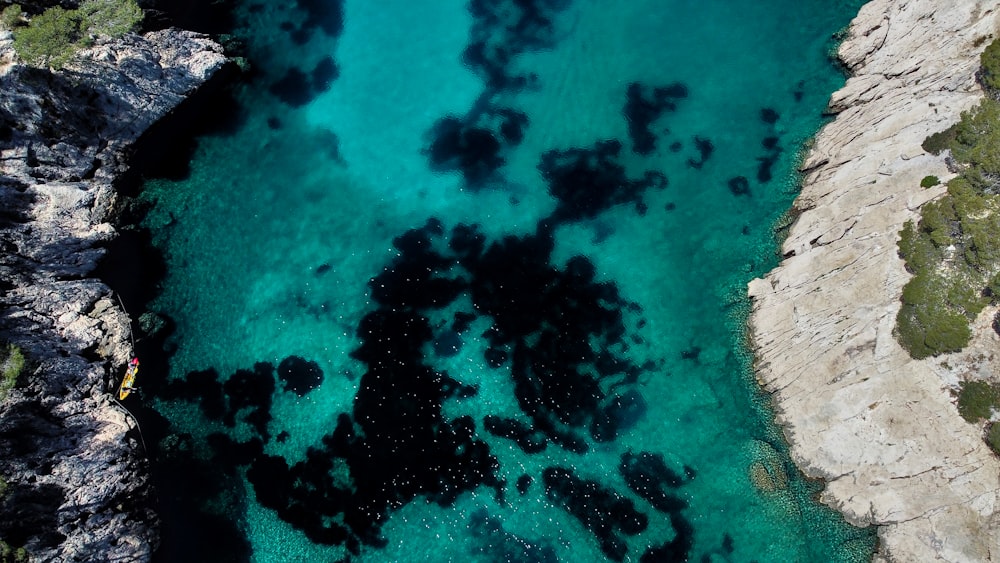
{"points": [[512, 342]]}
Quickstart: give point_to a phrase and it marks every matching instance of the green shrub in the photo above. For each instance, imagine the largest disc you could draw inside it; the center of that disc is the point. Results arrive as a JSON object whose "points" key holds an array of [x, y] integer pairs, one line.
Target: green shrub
{"points": [[953, 251], [926, 330], [10, 17], [11, 366], [938, 142], [977, 137], [993, 437], [948, 332], [989, 62], [976, 399], [918, 249], [993, 285], [53, 37], [49, 40], [10, 554], [111, 18]]}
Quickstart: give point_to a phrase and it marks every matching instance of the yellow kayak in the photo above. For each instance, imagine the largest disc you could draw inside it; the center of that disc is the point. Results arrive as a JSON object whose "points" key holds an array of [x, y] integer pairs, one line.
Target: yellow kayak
{"points": [[126, 387]]}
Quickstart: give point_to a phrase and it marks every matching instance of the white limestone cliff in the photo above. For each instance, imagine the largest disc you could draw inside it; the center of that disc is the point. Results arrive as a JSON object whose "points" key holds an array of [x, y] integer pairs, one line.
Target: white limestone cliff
{"points": [[880, 428]]}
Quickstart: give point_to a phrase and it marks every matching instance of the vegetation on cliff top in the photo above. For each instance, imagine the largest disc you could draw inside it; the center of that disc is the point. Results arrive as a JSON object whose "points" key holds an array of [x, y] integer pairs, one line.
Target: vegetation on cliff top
{"points": [[11, 17], [10, 554], [953, 251], [989, 73], [52, 38]]}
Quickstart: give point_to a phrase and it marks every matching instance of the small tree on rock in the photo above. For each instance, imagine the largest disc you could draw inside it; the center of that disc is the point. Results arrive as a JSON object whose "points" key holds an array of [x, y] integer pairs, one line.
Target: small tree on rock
{"points": [[11, 17], [50, 39], [989, 73], [111, 18]]}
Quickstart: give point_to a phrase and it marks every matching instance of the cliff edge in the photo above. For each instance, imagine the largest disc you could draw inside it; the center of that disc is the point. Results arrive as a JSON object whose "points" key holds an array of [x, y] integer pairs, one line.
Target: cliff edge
{"points": [[77, 482], [880, 428]]}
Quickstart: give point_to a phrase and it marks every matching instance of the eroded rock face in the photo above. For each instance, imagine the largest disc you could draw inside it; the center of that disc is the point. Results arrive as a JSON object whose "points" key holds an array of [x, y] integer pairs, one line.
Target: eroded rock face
{"points": [[879, 427], [78, 481]]}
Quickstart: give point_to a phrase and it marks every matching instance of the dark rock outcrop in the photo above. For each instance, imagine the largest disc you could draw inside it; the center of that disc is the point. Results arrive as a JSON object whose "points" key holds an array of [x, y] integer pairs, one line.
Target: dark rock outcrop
{"points": [[78, 485]]}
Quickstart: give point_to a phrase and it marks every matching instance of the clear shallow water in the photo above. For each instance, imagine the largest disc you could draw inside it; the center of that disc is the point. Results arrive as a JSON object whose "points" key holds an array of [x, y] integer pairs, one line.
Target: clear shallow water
{"points": [[527, 282]]}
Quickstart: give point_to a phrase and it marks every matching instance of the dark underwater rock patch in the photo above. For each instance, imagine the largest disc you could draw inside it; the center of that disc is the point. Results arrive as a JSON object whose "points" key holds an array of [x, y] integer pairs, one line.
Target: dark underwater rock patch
{"points": [[495, 357], [553, 326], [299, 375], [323, 74], [193, 528], [604, 512], [799, 92], [705, 148], [523, 484], [325, 16], [503, 29], [765, 163], [528, 440], [477, 143], [205, 387], [297, 88], [643, 106], [588, 181], [512, 124], [396, 435], [230, 453], [692, 353], [739, 185], [294, 88], [462, 321], [247, 392], [447, 344], [254, 390], [650, 477], [473, 151]]}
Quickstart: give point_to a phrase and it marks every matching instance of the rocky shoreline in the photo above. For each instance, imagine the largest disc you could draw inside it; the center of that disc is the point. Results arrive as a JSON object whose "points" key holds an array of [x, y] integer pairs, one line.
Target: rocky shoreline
{"points": [[880, 428], [77, 477]]}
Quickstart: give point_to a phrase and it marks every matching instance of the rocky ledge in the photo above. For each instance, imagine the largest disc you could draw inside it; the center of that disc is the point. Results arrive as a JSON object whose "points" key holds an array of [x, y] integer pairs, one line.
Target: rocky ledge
{"points": [[77, 481], [879, 427]]}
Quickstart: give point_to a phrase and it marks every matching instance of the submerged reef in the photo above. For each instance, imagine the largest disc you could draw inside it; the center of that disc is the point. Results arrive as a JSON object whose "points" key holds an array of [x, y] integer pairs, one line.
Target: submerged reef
{"points": [[562, 334]]}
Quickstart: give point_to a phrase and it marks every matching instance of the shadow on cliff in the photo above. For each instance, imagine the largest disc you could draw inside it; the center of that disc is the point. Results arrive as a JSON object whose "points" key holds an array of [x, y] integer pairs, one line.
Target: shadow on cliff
{"points": [[67, 110], [134, 268], [165, 150]]}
